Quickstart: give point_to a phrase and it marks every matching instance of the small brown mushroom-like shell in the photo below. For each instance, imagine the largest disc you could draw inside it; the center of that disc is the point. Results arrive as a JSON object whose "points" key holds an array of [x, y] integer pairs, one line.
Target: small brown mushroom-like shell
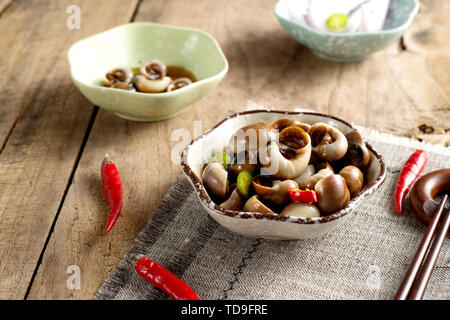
{"points": [[353, 178], [243, 163], [154, 70], [179, 83], [238, 168], [299, 209], [255, 205], [311, 182], [151, 86], [289, 158], [328, 143], [308, 173], [332, 194], [215, 179], [118, 75], [357, 153], [124, 86], [234, 201], [250, 138], [276, 191], [323, 165], [283, 123]]}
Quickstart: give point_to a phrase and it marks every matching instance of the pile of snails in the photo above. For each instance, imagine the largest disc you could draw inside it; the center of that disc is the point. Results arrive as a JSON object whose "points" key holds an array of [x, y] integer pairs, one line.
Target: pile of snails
{"points": [[257, 175], [153, 77]]}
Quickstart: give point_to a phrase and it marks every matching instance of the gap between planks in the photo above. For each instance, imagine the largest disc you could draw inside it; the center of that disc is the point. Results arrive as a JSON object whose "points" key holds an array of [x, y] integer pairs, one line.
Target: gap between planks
{"points": [[63, 198], [72, 173]]}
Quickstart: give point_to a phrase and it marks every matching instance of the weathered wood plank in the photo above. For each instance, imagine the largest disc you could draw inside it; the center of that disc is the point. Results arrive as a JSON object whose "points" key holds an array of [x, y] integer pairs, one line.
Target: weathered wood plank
{"points": [[4, 5], [266, 66], [43, 119]]}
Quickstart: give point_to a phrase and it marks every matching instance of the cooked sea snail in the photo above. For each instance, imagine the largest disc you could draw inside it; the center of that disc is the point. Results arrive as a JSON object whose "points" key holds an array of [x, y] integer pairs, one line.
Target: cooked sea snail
{"points": [[153, 77], [124, 86], [179, 83], [119, 75], [332, 193], [144, 84], [357, 154], [289, 157], [287, 167], [154, 70], [274, 191], [353, 178], [328, 143]]}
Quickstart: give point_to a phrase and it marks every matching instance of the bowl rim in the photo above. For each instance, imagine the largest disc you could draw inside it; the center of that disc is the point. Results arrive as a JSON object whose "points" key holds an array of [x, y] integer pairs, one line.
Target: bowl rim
{"points": [[400, 28], [205, 199], [195, 84]]}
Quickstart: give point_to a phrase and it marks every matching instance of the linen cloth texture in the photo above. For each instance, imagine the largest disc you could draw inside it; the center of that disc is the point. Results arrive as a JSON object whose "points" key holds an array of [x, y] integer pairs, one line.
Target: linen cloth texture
{"points": [[366, 257]]}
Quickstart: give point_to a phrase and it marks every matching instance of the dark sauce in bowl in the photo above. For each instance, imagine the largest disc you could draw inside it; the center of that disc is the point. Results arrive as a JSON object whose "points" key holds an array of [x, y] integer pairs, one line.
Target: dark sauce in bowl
{"points": [[174, 72]]}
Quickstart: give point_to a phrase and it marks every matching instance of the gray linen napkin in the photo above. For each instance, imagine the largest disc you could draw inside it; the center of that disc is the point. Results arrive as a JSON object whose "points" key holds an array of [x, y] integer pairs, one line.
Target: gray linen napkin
{"points": [[364, 258]]}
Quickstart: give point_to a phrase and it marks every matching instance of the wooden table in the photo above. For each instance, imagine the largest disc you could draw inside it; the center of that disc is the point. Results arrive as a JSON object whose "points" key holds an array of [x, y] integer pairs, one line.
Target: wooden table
{"points": [[52, 140]]}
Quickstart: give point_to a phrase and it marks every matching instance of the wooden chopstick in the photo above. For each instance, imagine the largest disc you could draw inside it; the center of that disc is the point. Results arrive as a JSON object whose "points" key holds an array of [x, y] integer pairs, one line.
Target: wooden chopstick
{"points": [[413, 278], [424, 275]]}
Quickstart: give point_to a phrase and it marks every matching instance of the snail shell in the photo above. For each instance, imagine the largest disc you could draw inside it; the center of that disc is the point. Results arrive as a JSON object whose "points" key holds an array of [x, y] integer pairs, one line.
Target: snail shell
{"points": [[253, 204], [215, 178], [311, 182], [328, 143], [234, 201], [353, 178], [124, 86], [275, 191], [179, 83], [250, 138], [151, 86], [283, 123], [299, 209], [154, 70], [289, 158], [332, 194], [118, 75], [357, 154]]}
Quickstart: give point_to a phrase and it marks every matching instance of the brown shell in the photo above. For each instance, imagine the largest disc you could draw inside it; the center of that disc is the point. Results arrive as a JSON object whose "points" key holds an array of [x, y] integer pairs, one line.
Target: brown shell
{"points": [[255, 205], [234, 201], [124, 86], [154, 70], [118, 75], [332, 194], [357, 153], [215, 178], [250, 137], [275, 191], [283, 123], [292, 141], [328, 143], [353, 178]]}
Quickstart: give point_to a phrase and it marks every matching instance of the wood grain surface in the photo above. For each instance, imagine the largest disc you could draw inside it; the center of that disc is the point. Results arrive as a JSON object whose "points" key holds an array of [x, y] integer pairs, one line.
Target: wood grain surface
{"points": [[52, 209], [43, 121]]}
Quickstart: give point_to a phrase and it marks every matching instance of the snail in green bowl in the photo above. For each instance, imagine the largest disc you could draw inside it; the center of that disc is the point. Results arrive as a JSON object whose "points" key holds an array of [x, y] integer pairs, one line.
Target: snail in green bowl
{"points": [[152, 77]]}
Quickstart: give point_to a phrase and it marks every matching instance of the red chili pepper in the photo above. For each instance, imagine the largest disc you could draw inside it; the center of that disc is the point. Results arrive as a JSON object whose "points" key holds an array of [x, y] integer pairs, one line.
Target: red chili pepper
{"points": [[298, 195], [409, 173], [162, 278], [112, 187]]}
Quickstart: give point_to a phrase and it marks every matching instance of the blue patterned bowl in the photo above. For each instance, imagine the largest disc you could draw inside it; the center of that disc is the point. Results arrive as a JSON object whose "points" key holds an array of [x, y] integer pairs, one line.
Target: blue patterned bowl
{"points": [[356, 46]]}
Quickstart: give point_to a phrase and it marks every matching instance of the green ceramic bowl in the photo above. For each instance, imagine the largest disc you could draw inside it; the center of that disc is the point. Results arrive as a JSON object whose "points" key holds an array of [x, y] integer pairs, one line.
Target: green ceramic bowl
{"points": [[345, 47], [134, 44]]}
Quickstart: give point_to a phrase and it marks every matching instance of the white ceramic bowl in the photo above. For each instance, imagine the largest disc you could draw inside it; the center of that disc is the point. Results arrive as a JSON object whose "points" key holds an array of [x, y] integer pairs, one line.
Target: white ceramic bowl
{"points": [[268, 225]]}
